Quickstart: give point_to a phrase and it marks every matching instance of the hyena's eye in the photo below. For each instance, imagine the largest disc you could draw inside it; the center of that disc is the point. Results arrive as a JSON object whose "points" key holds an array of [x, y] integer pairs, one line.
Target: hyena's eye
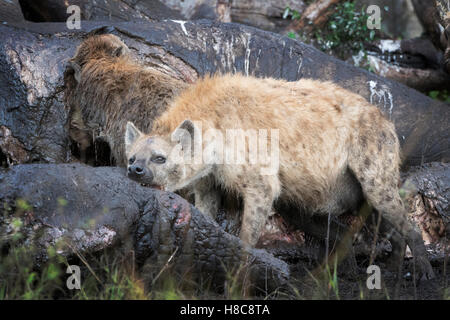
{"points": [[158, 159], [132, 160]]}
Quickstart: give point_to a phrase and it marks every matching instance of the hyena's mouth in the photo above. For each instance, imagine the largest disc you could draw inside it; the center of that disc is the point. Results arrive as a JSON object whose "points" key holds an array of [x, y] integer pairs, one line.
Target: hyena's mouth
{"points": [[154, 186]]}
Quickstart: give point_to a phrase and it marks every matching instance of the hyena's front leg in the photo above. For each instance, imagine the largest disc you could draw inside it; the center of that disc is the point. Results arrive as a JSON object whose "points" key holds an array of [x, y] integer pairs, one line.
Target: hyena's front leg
{"points": [[207, 197], [258, 201], [78, 132]]}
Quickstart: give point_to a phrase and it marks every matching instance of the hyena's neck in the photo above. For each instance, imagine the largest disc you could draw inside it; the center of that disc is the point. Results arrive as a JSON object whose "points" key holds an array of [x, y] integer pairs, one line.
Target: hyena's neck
{"points": [[200, 174]]}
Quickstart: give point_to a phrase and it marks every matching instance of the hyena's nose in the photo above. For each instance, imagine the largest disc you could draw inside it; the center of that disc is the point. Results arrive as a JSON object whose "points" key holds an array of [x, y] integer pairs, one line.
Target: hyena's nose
{"points": [[136, 171]]}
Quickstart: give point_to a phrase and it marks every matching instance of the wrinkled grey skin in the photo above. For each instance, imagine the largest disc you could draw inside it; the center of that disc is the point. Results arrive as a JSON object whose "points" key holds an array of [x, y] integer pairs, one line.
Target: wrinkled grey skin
{"points": [[104, 210]]}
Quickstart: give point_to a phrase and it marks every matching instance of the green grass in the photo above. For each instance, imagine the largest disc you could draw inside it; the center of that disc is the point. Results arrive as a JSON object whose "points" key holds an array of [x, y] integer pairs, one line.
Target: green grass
{"points": [[111, 275]]}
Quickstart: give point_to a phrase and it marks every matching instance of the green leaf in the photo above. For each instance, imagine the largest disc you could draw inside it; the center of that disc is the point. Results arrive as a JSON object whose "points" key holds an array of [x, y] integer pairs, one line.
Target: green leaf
{"points": [[433, 94], [22, 204], [31, 277], [292, 35], [17, 223], [52, 272], [61, 201]]}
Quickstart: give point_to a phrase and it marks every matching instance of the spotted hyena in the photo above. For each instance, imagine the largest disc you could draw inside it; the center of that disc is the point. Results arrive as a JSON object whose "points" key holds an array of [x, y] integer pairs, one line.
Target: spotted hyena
{"points": [[333, 148], [105, 86]]}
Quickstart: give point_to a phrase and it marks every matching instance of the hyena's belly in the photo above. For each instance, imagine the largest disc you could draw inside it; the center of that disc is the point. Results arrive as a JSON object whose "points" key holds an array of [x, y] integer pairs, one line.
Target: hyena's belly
{"points": [[342, 195], [345, 196]]}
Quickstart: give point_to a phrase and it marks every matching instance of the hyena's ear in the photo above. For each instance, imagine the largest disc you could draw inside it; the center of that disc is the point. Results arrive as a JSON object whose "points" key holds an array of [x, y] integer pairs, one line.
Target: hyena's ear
{"points": [[131, 135], [76, 70], [185, 134], [118, 52]]}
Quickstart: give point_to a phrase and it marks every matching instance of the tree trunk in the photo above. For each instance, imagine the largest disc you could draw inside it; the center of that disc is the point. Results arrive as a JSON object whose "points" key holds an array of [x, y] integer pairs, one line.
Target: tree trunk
{"points": [[314, 16], [266, 15], [414, 62], [435, 18]]}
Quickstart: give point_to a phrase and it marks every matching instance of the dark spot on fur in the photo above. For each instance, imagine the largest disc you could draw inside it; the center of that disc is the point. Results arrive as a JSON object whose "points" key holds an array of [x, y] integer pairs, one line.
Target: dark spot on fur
{"points": [[388, 198], [392, 137], [364, 142], [372, 182], [367, 162], [338, 109], [351, 136], [361, 122]]}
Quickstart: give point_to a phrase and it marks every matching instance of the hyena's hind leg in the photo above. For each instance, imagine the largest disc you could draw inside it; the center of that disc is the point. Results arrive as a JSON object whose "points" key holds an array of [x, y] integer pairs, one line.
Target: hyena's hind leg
{"points": [[374, 160], [398, 244]]}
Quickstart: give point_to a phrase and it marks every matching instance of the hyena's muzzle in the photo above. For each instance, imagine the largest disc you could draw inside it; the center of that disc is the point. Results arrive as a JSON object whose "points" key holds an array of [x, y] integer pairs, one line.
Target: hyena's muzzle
{"points": [[139, 172]]}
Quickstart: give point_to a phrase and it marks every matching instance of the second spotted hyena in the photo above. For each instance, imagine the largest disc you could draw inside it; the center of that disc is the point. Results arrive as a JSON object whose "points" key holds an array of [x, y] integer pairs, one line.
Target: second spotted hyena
{"points": [[333, 147]]}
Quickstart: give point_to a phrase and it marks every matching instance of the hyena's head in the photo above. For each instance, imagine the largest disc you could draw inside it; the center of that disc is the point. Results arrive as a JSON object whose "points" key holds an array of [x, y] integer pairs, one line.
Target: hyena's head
{"points": [[162, 161], [96, 47]]}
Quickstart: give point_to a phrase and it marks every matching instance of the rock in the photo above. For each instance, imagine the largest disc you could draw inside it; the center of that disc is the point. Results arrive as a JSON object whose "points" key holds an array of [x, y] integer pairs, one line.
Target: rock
{"points": [[100, 10], [31, 83], [10, 11], [95, 209]]}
